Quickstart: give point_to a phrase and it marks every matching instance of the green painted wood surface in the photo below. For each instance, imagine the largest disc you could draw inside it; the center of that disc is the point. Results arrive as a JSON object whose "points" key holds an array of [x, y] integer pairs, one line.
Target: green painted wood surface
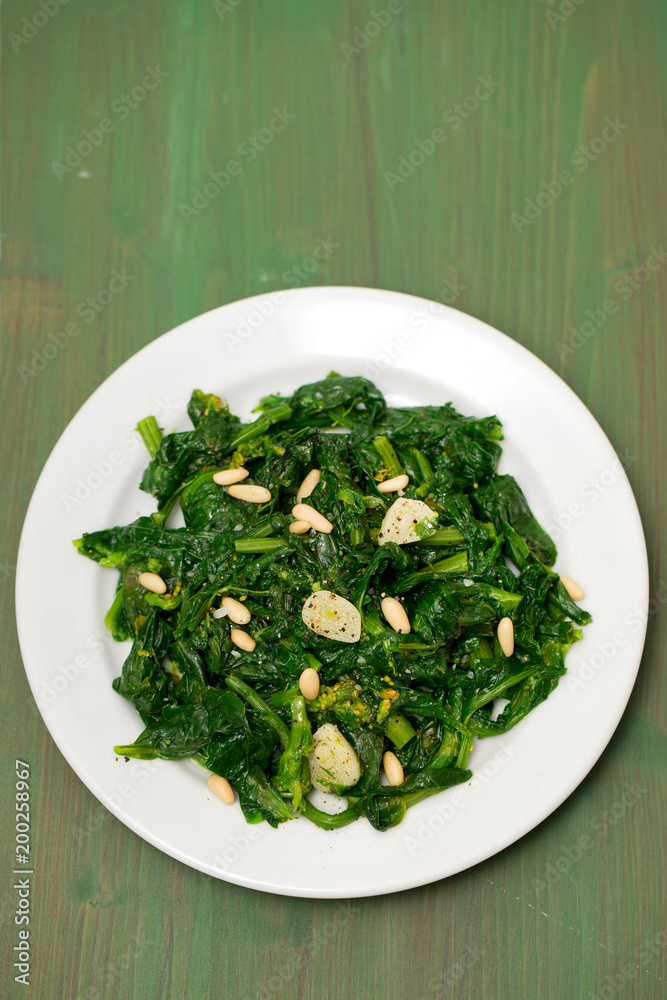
{"points": [[553, 80]]}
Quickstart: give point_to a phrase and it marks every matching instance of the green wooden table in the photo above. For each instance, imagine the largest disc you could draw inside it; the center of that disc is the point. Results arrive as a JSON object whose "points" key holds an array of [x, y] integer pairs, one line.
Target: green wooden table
{"points": [[507, 157]]}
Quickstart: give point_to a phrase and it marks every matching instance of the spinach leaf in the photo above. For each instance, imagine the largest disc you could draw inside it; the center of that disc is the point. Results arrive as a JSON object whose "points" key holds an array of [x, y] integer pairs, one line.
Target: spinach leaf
{"points": [[203, 692]]}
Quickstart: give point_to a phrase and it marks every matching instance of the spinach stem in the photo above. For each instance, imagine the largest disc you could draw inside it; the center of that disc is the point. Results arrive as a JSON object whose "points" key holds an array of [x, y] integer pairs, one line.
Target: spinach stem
{"points": [[357, 536], [389, 457], [399, 729], [160, 516], [243, 590], [258, 703], [263, 531], [328, 821], [457, 563], [259, 544], [497, 691], [151, 434], [443, 536], [423, 464], [465, 747], [506, 598], [282, 698], [262, 424]]}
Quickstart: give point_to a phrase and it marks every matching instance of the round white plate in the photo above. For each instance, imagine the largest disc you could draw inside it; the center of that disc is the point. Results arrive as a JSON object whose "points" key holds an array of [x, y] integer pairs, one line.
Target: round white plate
{"points": [[418, 352]]}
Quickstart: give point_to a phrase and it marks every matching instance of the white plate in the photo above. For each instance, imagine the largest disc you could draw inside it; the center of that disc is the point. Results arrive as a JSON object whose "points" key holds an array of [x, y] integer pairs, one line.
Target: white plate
{"points": [[418, 352]]}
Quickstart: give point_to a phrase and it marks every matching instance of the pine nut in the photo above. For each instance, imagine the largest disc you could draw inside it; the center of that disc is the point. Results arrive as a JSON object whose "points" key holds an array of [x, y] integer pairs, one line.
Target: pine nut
{"points": [[573, 589], [396, 615], [242, 640], [152, 582], [221, 787], [393, 768], [304, 512], [309, 484], [228, 476], [237, 612], [253, 494], [391, 485], [506, 635], [299, 527], [309, 684]]}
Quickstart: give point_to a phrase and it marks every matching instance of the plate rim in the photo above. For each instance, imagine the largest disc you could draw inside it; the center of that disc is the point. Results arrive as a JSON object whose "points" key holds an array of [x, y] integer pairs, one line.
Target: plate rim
{"points": [[316, 292]]}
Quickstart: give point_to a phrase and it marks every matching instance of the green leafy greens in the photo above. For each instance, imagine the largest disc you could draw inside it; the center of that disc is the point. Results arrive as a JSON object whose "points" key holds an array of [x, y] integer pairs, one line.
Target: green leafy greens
{"points": [[424, 695]]}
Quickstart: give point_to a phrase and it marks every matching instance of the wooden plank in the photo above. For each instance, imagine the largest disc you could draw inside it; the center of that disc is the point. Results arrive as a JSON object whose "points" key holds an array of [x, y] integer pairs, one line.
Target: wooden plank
{"points": [[113, 917]]}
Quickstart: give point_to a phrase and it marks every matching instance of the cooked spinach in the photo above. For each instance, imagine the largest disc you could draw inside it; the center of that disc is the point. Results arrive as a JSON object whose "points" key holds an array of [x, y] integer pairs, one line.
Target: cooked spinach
{"points": [[426, 694]]}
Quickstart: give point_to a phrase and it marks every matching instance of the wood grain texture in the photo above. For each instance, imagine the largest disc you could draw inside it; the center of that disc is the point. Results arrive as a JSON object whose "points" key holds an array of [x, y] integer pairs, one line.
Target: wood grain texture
{"points": [[113, 917]]}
